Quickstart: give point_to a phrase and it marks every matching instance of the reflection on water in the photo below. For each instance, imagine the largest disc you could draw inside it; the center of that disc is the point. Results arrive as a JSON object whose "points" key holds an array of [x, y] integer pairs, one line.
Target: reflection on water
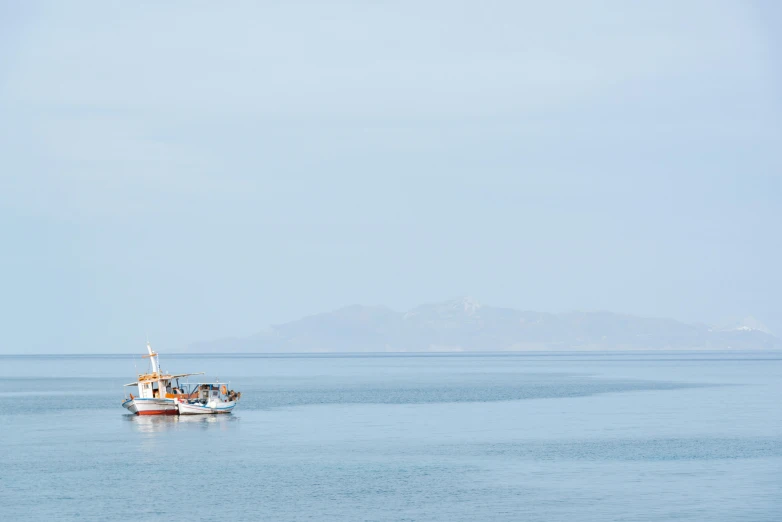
{"points": [[161, 423]]}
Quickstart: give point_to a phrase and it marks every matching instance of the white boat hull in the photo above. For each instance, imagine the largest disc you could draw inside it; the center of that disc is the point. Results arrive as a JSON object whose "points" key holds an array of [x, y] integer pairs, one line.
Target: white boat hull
{"points": [[206, 409], [140, 406]]}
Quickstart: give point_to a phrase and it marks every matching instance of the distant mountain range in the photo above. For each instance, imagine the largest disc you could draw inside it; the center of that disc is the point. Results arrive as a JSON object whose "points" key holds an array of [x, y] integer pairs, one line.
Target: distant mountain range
{"points": [[464, 325]]}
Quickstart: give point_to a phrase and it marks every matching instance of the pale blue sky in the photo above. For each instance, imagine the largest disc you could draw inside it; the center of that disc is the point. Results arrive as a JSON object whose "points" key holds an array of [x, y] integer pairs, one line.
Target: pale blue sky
{"points": [[196, 170]]}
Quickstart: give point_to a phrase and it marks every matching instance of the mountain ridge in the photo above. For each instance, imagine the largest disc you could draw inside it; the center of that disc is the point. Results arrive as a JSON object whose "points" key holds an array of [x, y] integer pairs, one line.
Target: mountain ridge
{"points": [[464, 325]]}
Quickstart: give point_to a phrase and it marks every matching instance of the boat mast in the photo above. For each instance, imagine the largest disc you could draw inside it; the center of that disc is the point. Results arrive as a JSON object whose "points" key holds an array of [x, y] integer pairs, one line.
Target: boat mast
{"points": [[153, 358]]}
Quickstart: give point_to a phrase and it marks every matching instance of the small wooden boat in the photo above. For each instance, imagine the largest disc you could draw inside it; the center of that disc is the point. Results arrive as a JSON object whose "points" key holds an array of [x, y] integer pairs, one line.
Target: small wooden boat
{"points": [[210, 398]]}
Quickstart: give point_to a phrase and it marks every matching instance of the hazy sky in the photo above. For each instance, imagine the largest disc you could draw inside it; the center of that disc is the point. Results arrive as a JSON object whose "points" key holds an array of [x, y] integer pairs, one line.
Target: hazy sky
{"points": [[193, 170]]}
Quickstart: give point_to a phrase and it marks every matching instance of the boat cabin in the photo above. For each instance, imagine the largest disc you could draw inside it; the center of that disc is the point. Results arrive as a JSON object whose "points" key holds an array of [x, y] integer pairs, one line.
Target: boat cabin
{"points": [[164, 387], [211, 391]]}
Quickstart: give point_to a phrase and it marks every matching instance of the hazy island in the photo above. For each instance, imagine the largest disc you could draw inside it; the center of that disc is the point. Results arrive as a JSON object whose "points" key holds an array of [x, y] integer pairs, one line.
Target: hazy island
{"points": [[463, 325]]}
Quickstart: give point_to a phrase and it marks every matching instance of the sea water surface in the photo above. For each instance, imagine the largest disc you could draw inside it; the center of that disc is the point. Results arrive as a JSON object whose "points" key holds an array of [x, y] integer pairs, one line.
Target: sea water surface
{"points": [[534, 437]]}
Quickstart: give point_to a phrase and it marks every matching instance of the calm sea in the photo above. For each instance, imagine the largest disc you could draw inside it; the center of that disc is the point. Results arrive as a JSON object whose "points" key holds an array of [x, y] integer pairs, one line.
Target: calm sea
{"points": [[535, 437]]}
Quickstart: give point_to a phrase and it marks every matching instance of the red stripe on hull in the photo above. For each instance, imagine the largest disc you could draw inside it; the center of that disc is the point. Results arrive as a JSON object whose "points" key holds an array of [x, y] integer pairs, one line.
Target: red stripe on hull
{"points": [[158, 412]]}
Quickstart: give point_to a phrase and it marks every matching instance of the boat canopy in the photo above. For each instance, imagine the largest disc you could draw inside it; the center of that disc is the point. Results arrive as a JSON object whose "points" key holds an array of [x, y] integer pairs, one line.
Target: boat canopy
{"points": [[149, 378], [186, 375]]}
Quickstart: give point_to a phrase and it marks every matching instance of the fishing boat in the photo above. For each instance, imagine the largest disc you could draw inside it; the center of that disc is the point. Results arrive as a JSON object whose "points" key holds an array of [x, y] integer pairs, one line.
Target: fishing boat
{"points": [[161, 393], [210, 397]]}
